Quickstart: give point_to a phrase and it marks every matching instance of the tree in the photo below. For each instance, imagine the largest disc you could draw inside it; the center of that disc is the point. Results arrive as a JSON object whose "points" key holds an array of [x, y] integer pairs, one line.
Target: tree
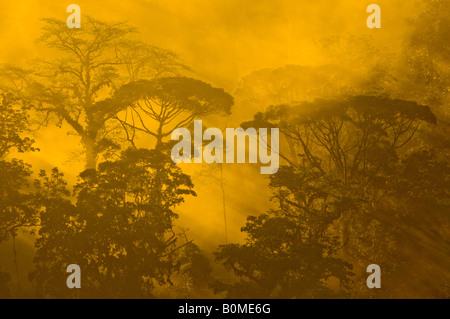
{"points": [[157, 107], [17, 207], [119, 231], [426, 57], [4, 279], [144, 61], [288, 252], [356, 151], [340, 137], [13, 125], [296, 83], [423, 70], [96, 60], [15, 202]]}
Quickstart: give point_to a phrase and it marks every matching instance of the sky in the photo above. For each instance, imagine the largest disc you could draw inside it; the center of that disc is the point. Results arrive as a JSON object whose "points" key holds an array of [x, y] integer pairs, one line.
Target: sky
{"points": [[221, 39]]}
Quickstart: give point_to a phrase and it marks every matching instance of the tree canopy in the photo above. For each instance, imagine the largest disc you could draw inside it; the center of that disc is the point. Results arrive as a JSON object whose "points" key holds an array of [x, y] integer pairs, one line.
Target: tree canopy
{"points": [[158, 106]]}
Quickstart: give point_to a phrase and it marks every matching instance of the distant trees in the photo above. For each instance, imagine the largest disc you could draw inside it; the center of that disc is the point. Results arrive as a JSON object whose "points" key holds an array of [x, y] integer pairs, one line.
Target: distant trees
{"points": [[17, 205], [423, 70], [292, 83], [4, 279]]}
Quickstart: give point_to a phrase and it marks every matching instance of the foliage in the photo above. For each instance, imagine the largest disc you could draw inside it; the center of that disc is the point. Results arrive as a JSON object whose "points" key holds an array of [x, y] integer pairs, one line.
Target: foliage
{"points": [[16, 204], [4, 279], [120, 230], [13, 124], [169, 103], [351, 186], [288, 253]]}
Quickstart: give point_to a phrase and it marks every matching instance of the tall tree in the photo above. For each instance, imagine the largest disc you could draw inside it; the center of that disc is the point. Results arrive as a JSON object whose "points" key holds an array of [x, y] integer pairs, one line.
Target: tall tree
{"points": [[289, 251], [338, 137], [157, 107], [426, 57], [95, 61], [351, 156], [16, 209]]}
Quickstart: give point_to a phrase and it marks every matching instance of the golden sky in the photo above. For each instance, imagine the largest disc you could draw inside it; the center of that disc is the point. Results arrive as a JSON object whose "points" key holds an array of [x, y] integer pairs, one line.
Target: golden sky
{"points": [[221, 39]]}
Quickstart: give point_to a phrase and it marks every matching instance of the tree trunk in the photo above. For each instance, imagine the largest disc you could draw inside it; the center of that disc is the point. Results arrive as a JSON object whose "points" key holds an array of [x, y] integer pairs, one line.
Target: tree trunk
{"points": [[159, 137]]}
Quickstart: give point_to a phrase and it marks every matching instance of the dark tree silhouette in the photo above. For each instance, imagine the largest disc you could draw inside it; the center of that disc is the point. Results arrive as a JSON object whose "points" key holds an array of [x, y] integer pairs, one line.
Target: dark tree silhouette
{"points": [[288, 252], [70, 87], [120, 231], [159, 106], [16, 209], [338, 135]]}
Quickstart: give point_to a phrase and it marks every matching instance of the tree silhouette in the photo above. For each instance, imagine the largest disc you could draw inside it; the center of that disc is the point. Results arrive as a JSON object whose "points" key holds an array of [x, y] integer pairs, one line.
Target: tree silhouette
{"points": [[95, 61], [157, 107], [17, 206], [15, 202], [342, 182], [288, 252], [120, 231], [144, 61]]}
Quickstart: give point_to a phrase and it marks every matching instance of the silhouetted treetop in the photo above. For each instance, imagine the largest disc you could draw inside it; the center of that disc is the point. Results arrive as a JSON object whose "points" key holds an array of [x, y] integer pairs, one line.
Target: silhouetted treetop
{"points": [[183, 93], [94, 37], [169, 103], [373, 106], [119, 229]]}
